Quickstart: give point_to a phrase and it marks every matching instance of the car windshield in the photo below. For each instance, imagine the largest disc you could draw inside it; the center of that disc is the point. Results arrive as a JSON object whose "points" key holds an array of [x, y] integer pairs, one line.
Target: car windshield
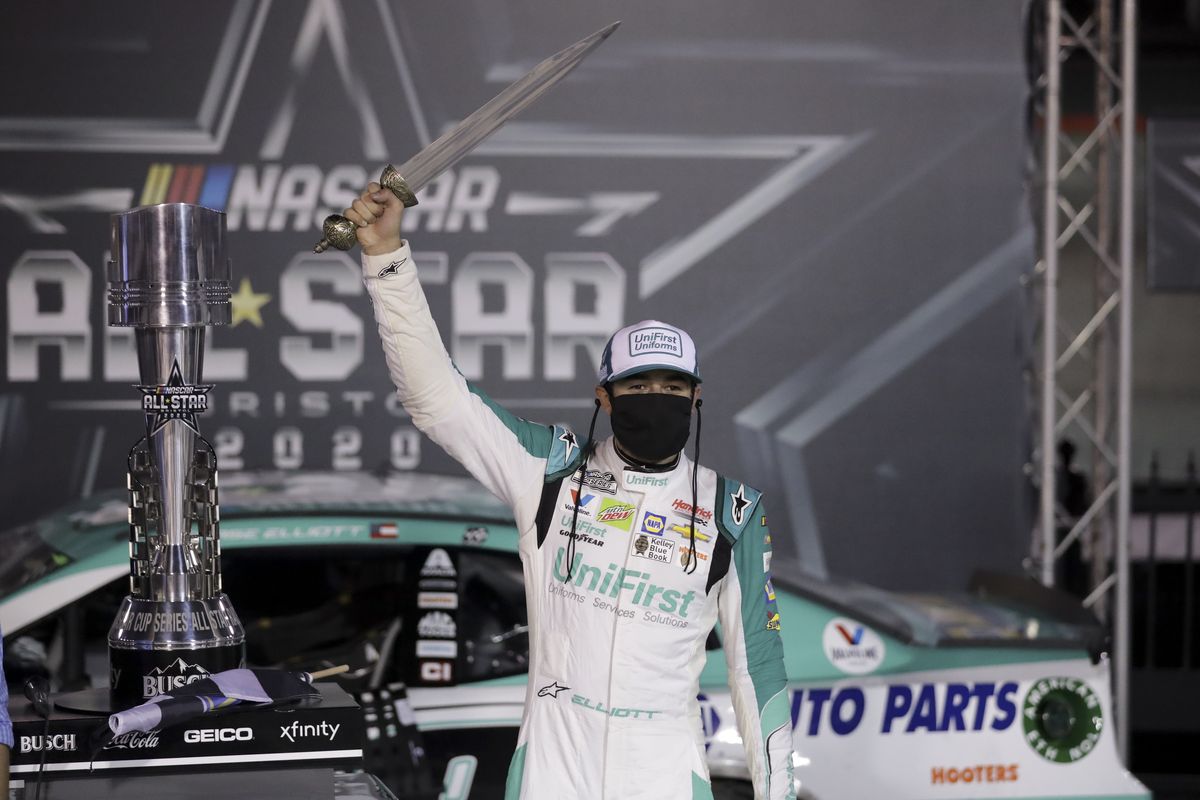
{"points": [[333, 605]]}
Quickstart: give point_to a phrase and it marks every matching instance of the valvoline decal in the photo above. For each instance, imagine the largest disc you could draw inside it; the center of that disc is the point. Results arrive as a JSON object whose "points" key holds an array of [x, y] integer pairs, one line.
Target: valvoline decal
{"points": [[926, 708]]}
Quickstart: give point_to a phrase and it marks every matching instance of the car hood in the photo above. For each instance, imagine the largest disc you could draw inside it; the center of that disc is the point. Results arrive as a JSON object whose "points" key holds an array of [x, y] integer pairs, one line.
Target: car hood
{"points": [[50, 562]]}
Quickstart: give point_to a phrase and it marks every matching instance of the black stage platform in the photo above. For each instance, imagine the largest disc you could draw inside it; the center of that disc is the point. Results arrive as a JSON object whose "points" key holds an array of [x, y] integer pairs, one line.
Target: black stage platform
{"points": [[289, 753]]}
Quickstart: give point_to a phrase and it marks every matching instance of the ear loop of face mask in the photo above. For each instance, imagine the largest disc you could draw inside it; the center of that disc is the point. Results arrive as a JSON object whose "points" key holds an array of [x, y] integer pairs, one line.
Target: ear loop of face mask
{"points": [[690, 565], [587, 454]]}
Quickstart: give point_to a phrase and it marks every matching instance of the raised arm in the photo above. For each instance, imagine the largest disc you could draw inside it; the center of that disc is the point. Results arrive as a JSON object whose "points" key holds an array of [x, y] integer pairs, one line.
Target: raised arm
{"points": [[507, 454]]}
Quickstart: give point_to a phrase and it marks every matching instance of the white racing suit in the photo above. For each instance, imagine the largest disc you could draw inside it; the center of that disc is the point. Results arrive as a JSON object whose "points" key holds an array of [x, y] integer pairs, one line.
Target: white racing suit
{"points": [[616, 650]]}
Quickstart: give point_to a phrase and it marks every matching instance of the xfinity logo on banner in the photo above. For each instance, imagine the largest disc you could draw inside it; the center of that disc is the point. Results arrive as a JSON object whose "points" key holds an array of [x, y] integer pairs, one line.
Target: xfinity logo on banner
{"points": [[212, 735], [62, 742], [298, 730]]}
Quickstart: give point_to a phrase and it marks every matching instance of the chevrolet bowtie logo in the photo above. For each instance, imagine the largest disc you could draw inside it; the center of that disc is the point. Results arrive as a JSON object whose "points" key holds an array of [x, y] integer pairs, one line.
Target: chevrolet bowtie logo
{"points": [[552, 690], [392, 268]]}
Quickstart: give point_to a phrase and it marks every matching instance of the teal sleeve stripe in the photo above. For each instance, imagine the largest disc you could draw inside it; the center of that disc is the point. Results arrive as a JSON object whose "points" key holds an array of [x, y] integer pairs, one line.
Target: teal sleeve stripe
{"points": [[776, 715], [536, 439], [760, 616], [701, 789], [516, 774]]}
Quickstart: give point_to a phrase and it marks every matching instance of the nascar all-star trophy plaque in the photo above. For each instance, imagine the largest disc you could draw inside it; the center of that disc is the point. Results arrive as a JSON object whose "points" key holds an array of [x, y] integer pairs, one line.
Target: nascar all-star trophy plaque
{"points": [[169, 279]]}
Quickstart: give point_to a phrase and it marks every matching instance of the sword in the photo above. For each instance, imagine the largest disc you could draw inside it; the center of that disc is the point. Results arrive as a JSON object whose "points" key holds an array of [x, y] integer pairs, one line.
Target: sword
{"points": [[414, 174]]}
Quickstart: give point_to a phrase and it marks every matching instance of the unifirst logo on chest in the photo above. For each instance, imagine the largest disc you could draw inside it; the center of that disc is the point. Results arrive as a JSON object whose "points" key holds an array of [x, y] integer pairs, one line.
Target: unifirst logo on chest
{"points": [[641, 481]]}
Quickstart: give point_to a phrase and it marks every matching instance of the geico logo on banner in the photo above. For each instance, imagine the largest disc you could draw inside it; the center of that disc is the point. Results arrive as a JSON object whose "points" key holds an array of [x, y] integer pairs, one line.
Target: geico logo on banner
{"points": [[209, 735], [61, 742]]}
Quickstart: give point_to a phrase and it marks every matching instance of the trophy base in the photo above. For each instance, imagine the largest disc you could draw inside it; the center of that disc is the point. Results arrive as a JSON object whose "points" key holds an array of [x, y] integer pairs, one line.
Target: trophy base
{"points": [[156, 646], [138, 675]]}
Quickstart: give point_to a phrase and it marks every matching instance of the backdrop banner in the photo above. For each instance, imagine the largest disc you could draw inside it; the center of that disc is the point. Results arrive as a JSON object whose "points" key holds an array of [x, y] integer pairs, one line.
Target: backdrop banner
{"points": [[828, 197]]}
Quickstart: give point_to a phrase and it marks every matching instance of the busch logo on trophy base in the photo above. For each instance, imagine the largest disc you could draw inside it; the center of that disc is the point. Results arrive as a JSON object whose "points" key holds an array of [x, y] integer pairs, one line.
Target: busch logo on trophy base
{"points": [[169, 279]]}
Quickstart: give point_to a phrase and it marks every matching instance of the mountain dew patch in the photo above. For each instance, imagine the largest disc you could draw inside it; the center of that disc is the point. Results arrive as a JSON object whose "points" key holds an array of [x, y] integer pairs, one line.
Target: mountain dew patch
{"points": [[617, 514]]}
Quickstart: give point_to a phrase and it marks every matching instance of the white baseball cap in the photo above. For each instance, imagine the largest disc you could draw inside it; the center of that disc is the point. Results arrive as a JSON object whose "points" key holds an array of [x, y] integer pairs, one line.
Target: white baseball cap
{"points": [[645, 346]]}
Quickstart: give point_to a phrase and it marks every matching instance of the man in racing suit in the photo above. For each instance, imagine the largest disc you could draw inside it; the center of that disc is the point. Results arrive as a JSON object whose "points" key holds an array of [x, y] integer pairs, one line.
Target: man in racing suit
{"points": [[630, 555]]}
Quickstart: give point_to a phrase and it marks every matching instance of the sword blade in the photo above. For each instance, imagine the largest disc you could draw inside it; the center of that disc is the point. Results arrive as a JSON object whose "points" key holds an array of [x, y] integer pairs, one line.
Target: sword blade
{"points": [[455, 143]]}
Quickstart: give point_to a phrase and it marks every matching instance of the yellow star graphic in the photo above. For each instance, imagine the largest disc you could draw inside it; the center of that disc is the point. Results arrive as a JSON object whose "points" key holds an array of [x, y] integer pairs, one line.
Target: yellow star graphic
{"points": [[246, 305]]}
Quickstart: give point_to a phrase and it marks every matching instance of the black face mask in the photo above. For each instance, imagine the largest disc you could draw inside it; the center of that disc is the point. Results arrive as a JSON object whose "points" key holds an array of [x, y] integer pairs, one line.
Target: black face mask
{"points": [[652, 426]]}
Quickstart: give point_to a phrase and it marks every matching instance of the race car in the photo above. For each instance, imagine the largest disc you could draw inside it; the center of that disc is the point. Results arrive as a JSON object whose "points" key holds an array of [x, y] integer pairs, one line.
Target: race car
{"points": [[414, 580]]}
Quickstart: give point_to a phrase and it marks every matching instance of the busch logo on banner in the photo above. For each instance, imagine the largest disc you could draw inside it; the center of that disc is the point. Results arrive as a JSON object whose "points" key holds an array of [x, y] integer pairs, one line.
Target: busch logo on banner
{"points": [[61, 742], [178, 673]]}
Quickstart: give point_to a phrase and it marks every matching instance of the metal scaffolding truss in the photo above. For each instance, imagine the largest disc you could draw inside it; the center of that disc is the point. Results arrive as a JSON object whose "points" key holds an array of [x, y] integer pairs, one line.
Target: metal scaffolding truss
{"points": [[1084, 370]]}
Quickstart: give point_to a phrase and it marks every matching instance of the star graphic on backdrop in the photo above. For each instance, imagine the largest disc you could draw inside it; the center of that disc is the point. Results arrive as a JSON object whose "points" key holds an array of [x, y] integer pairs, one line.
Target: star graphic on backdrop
{"points": [[194, 399], [738, 512], [247, 304]]}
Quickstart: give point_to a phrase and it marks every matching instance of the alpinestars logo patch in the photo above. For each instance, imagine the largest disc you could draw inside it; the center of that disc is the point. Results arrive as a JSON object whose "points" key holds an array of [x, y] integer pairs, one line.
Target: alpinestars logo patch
{"points": [[392, 268], [568, 438], [740, 503], [552, 690]]}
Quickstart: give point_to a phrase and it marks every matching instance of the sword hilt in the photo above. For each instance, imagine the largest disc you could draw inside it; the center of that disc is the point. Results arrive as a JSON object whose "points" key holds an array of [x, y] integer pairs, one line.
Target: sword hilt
{"points": [[339, 232]]}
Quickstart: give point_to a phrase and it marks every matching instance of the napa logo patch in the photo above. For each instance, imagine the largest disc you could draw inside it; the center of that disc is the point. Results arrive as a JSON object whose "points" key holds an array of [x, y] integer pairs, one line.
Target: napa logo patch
{"points": [[653, 524]]}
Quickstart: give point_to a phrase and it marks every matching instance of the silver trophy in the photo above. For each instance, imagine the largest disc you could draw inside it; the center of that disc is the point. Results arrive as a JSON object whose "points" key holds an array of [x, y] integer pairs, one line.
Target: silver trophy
{"points": [[169, 279]]}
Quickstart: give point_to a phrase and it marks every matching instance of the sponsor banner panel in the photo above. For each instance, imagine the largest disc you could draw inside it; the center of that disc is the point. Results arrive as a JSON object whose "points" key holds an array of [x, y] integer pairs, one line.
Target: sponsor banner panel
{"points": [[1007, 731], [329, 732]]}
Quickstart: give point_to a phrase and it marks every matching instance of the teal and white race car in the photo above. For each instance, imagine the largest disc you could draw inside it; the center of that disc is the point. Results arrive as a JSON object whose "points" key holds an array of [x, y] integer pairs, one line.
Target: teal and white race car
{"points": [[414, 580]]}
